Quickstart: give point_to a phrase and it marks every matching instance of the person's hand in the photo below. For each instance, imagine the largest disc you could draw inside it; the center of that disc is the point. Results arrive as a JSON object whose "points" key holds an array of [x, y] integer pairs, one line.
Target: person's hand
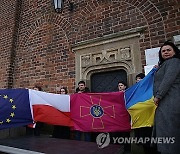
{"points": [[156, 66], [156, 101]]}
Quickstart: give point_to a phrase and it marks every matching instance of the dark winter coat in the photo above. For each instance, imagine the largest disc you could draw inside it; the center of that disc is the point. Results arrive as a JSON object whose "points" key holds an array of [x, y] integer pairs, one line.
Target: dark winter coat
{"points": [[167, 116]]}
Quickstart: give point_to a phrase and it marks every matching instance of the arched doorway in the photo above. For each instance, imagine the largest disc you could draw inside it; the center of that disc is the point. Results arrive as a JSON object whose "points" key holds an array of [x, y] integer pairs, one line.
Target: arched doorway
{"points": [[107, 81], [116, 53]]}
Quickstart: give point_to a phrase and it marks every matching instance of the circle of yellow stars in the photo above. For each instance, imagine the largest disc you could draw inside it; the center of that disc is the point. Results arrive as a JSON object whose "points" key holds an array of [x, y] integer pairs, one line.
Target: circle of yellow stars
{"points": [[12, 114]]}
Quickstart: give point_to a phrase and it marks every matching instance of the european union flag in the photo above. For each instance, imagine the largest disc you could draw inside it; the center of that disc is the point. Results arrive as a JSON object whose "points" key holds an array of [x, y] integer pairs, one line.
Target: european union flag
{"points": [[14, 108], [139, 102]]}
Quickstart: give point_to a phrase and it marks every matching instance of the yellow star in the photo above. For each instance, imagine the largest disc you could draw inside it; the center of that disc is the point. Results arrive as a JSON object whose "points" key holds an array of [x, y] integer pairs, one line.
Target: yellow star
{"points": [[14, 107], [11, 100], [8, 120], [1, 122], [12, 114], [5, 97]]}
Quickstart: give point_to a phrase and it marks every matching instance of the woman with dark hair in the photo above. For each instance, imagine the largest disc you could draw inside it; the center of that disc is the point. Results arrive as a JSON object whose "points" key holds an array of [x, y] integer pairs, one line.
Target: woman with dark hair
{"points": [[62, 131], [39, 125], [166, 56], [166, 93], [63, 90], [36, 87]]}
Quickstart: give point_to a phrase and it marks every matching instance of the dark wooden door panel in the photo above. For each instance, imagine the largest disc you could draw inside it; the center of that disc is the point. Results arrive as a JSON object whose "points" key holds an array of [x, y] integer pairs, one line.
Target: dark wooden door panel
{"points": [[107, 81]]}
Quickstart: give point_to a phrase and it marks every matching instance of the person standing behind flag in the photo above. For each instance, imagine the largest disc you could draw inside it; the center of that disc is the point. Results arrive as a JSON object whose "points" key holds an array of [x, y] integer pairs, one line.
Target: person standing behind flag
{"points": [[144, 132], [166, 93], [35, 128], [122, 86], [139, 77], [82, 89], [38, 125], [62, 131]]}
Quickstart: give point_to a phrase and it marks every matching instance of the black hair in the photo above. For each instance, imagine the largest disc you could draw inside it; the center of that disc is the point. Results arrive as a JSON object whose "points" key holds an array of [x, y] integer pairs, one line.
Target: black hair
{"points": [[65, 89], [86, 88], [124, 83], [38, 87], [81, 82], [175, 48], [140, 75]]}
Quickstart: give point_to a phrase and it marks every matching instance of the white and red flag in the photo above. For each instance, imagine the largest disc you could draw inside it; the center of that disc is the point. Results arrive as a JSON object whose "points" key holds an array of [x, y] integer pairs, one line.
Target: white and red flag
{"points": [[50, 108]]}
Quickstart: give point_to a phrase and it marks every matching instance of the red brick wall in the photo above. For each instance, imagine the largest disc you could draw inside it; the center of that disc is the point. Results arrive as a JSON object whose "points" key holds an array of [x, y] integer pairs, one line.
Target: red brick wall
{"points": [[43, 52], [7, 23]]}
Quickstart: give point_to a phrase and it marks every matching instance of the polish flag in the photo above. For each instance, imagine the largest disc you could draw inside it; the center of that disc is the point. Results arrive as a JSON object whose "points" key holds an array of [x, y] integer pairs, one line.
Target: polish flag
{"points": [[50, 108]]}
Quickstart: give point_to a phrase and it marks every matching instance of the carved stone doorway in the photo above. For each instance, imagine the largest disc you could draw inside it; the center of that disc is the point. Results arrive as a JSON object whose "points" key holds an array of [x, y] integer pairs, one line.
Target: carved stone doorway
{"points": [[120, 51], [107, 81]]}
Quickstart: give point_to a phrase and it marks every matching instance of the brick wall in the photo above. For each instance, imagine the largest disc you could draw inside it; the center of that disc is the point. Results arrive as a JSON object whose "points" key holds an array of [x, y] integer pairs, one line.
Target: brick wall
{"points": [[7, 26], [43, 43]]}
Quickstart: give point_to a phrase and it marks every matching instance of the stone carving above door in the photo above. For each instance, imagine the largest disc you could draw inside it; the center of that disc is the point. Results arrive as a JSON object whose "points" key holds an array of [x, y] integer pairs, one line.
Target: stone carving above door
{"points": [[86, 60], [116, 52], [125, 53], [105, 57]]}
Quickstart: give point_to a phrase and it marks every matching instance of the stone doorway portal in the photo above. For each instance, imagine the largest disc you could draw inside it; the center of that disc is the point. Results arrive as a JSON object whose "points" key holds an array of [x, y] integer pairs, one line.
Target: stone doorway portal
{"points": [[111, 53]]}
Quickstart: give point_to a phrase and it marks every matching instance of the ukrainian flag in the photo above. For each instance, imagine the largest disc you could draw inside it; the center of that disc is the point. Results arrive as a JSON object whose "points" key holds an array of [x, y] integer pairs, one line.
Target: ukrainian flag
{"points": [[139, 102]]}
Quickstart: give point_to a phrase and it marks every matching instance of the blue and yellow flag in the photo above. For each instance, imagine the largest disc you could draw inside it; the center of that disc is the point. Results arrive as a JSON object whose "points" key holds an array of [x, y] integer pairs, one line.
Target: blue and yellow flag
{"points": [[139, 102], [14, 108]]}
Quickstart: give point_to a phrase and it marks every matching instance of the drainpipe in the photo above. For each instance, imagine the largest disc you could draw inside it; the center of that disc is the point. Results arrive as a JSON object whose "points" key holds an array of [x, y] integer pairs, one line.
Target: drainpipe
{"points": [[11, 70]]}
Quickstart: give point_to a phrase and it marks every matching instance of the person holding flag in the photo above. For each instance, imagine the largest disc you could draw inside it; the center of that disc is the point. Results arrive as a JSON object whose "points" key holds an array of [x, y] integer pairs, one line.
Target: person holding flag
{"points": [[122, 86], [140, 105], [62, 131], [166, 92]]}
